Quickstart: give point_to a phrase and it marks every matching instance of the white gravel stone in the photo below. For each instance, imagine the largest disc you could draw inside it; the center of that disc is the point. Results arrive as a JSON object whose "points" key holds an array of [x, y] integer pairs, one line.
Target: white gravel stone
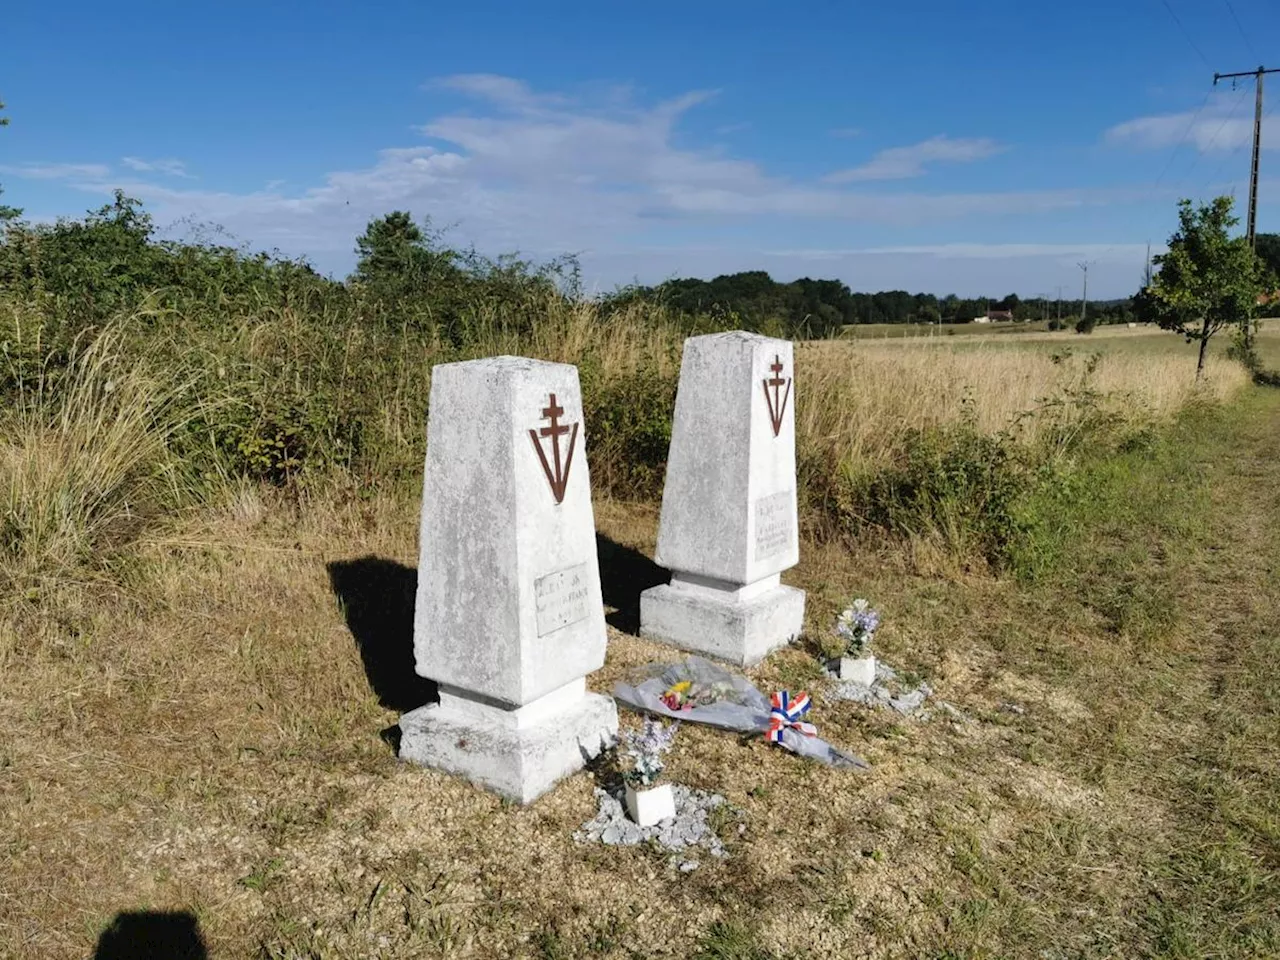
{"points": [[687, 829], [884, 693]]}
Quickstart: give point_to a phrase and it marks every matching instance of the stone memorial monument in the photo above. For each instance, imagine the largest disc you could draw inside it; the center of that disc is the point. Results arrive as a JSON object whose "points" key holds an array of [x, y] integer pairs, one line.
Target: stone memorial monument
{"points": [[728, 524], [509, 618]]}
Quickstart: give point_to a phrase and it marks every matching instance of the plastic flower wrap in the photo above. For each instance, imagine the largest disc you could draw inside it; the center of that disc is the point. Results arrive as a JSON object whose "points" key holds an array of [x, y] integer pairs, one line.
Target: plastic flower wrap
{"points": [[857, 626], [645, 749], [699, 691]]}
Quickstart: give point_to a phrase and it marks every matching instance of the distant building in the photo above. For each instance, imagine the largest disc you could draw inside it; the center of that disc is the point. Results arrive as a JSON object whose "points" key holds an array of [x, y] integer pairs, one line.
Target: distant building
{"points": [[995, 316]]}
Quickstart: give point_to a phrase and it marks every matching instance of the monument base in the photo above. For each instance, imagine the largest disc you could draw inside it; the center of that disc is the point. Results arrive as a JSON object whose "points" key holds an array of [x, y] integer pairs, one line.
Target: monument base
{"points": [[728, 621], [519, 753]]}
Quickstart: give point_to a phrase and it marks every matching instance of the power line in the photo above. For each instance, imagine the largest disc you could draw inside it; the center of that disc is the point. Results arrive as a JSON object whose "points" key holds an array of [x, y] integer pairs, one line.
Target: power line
{"points": [[1207, 147], [1258, 76], [1186, 132], [1244, 36], [1186, 33], [1084, 295], [1251, 230]]}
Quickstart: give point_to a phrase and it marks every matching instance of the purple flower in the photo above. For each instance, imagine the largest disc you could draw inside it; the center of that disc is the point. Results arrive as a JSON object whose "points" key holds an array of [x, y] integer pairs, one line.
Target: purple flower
{"points": [[645, 749], [857, 625]]}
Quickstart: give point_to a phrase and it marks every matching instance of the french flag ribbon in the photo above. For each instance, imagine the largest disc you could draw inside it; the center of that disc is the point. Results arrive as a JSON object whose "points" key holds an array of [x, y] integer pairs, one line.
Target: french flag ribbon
{"points": [[786, 711]]}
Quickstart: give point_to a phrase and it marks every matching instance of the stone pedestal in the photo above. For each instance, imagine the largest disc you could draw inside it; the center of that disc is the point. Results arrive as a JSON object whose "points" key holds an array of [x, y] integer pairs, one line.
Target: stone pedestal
{"points": [[509, 618], [728, 525]]}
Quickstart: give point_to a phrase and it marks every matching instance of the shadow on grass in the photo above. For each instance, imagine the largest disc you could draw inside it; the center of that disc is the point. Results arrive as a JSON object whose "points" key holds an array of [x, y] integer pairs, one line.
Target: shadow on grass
{"points": [[134, 935], [377, 597], [625, 574]]}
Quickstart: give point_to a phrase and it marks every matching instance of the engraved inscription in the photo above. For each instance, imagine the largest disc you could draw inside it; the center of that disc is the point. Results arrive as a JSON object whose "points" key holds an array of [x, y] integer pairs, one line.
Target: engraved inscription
{"points": [[561, 598], [775, 524]]}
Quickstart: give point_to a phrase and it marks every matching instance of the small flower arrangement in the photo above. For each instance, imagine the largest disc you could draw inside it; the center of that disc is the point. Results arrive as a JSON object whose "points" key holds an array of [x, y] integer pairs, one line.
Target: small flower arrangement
{"points": [[686, 695], [645, 750], [857, 626]]}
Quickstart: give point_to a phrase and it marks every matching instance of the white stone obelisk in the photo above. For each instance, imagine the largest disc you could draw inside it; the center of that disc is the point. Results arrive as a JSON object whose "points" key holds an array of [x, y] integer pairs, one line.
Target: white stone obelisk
{"points": [[509, 618], [728, 526]]}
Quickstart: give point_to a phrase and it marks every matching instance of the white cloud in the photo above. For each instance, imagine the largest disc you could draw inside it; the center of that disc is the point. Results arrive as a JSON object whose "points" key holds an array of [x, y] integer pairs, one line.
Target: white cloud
{"points": [[168, 167], [506, 91], [901, 163], [1000, 251], [1224, 124], [600, 173], [57, 171]]}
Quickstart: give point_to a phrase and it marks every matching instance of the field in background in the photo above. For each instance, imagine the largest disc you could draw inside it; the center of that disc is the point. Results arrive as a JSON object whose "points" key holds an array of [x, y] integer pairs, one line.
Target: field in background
{"points": [[885, 331], [866, 399], [206, 579]]}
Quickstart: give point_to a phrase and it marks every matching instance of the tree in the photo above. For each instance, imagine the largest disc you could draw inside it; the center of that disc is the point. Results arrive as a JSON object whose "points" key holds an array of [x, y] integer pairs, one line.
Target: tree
{"points": [[399, 260], [1207, 280], [7, 212], [1267, 247]]}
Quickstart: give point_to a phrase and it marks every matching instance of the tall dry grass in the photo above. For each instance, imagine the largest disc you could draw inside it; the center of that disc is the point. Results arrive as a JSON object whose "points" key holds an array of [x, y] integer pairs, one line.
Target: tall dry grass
{"points": [[860, 401], [84, 456], [87, 452]]}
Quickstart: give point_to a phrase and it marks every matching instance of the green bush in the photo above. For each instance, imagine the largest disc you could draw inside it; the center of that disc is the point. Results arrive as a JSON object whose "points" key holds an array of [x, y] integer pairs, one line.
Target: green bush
{"points": [[956, 485], [628, 421]]}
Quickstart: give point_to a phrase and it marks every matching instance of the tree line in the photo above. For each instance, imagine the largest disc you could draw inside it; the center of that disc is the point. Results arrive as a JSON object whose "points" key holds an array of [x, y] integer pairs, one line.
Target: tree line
{"points": [[808, 308], [406, 273]]}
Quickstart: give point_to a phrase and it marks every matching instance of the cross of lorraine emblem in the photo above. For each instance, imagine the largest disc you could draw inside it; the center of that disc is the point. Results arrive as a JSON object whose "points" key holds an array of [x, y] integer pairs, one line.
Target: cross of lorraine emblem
{"points": [[557, 470], [777, 401]]}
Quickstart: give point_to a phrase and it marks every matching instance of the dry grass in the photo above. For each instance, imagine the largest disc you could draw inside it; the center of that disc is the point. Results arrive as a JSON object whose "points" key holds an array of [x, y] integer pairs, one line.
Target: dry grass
{"points": [[199, 730], [859, 401], [84, 458]]}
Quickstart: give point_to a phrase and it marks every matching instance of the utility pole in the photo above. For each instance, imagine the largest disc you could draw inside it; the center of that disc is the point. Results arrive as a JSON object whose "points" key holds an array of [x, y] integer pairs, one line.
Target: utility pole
{"points": [[1059, 306], [1251, 229], [1084, 297]]}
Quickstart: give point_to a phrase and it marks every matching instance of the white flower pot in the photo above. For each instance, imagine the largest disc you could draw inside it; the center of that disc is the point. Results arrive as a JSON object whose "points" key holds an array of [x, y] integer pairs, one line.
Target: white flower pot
{"points": [[651, 805], [858, 669]]}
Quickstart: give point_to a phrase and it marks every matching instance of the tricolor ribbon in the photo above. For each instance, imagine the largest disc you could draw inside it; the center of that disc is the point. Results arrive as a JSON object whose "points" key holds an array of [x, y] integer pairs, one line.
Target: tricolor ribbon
{"points": [[786, 711]]}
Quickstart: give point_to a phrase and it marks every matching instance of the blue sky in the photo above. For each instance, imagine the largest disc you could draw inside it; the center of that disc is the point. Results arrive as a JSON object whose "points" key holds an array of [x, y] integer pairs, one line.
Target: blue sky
{"points": [[976, 148]]}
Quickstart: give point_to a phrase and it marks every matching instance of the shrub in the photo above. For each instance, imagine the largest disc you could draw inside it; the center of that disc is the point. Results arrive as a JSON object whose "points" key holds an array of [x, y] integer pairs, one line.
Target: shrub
{"points": [[628, 420]]}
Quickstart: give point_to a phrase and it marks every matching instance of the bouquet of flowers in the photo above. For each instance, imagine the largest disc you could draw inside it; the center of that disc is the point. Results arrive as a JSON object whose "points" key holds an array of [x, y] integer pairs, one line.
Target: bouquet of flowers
{"points": [[645, 750], [857, 626], [687, 694], [699, 691]]}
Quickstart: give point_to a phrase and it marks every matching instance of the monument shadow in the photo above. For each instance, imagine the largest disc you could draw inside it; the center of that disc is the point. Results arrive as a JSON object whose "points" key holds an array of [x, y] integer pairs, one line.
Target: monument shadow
{"points": [[625, 573], [377, 597], [135, 935]]}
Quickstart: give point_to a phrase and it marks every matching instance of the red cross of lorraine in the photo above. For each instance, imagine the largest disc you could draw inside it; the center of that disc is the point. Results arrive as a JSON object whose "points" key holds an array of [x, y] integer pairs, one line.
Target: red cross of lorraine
{"points": [[778, 400], [557, 471]]}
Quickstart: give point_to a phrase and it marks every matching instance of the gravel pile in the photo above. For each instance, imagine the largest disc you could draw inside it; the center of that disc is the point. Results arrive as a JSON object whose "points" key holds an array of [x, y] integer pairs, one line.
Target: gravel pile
{"points": [[886, 691], [681, 834]]}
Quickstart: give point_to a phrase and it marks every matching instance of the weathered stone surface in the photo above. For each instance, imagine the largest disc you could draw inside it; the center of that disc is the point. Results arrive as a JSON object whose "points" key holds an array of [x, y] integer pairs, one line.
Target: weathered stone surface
{"points": [[521, 763], [720, 624], [508, 603], [729, 524], [729, 500], [509, 617]]}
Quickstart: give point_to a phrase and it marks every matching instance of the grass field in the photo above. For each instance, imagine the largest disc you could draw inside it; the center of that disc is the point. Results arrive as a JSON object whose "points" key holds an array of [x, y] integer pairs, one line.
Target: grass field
{"points": [[196, 724]]}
